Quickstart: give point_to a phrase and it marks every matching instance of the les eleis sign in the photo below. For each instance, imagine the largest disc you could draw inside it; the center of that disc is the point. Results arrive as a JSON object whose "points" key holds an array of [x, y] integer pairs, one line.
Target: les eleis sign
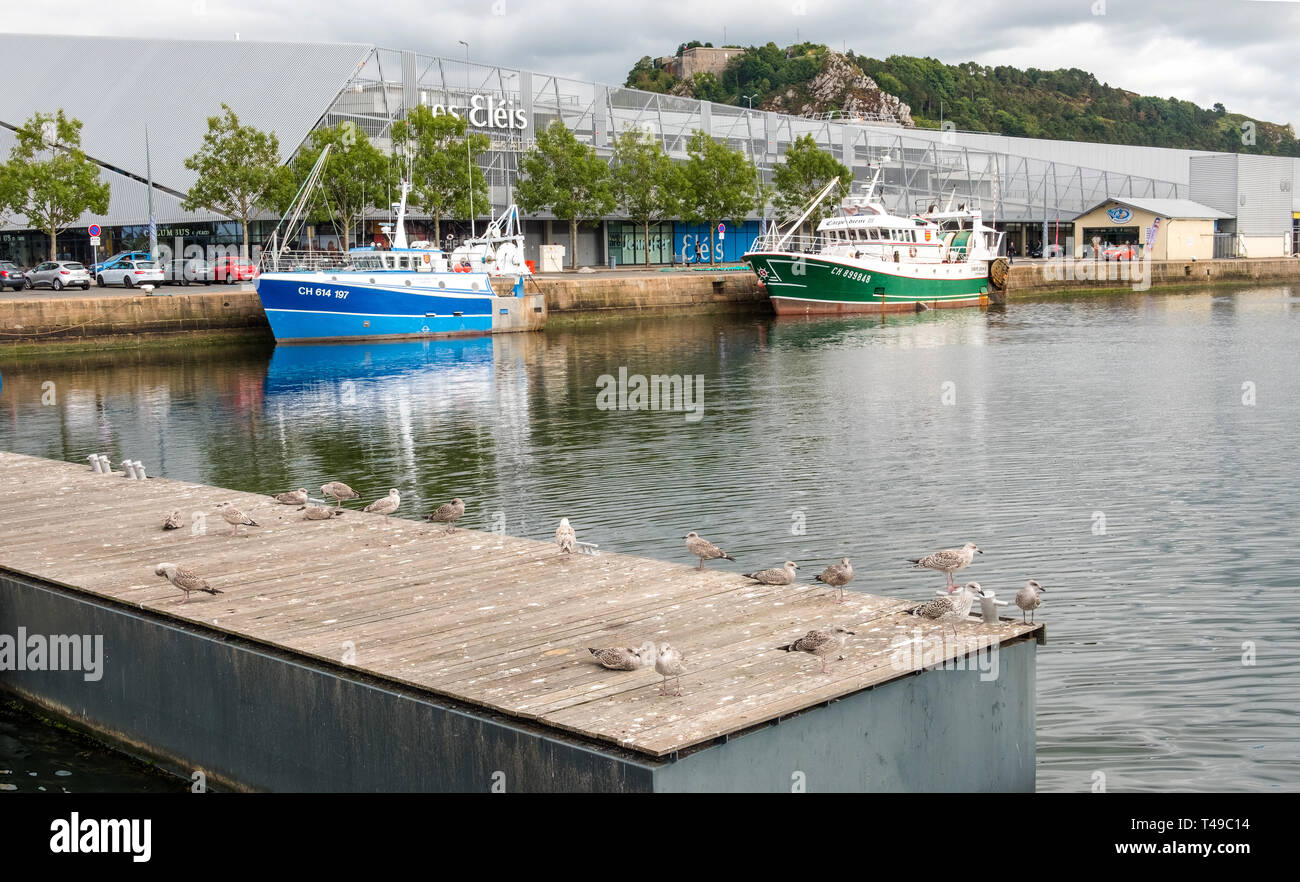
{"points": [[486, 112]]}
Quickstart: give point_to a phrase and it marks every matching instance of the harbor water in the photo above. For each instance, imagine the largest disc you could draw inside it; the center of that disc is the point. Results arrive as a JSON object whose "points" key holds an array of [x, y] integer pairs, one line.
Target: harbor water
{"points": [[1134, 453]]}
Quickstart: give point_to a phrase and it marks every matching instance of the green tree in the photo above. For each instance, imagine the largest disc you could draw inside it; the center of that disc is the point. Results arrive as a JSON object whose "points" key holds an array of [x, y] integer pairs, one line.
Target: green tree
{"points": [[719, 184], [239, 171], [49, 179], [355, 175], [566, 177], [647, 184], [802, 172], [442, 176]]}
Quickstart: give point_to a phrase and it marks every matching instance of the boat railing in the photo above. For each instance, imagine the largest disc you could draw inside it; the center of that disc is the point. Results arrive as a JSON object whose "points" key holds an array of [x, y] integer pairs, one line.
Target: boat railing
{"points": [[311, 261], [803, 244]]}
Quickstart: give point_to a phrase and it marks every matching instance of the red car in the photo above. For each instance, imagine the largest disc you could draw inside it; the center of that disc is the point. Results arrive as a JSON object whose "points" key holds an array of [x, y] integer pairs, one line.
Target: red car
{"points": [[1121, 252], [233, 269]]}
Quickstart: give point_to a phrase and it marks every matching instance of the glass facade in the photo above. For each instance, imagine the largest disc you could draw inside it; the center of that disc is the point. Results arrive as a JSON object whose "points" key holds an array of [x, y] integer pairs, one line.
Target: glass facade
{"points": [[627, 243]]}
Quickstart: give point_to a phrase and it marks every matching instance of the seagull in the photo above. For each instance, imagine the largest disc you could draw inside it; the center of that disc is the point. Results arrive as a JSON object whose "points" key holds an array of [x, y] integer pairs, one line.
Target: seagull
{"points": [[668, 662], [820, 643], [704, 549], [322, 513], [338, 491], [622, 658], [173, 521], [783, 575], [293, 497], [236, 518], [837, 576], [952, 608], [948, 561], [447, 513], [385, 505], [1028, 600], [566, 537], [185, 579]]}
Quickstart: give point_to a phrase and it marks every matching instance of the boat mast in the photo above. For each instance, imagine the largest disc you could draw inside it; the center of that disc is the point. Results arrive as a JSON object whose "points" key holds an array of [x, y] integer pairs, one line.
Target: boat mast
{"points": [[817, 200]]}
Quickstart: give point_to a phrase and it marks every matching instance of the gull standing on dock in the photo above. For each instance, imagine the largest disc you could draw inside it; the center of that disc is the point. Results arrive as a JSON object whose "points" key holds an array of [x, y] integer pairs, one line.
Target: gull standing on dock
{"points": [[704, 549], [822, 644], [782, 575], [236, 518], [566, 537], [448, 513], [338, 491], [669, 663], [293, 497], [619, 658], [948, 561], [322, 513], [837, 576], [1028, 600], [385, 505], [185, 579], [952, 608]]}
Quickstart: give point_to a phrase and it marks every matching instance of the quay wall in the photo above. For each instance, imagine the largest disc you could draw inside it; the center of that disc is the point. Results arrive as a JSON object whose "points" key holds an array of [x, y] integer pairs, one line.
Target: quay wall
{"points": [[113, 319]]}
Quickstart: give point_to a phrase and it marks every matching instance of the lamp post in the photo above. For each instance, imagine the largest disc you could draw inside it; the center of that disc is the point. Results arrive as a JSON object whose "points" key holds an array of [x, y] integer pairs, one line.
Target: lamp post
{"points": [[469, 159]]}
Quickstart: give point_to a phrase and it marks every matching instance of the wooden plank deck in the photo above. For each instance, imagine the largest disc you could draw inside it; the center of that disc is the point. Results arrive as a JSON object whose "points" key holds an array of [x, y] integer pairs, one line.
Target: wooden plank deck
{"points": [[499, 622]]}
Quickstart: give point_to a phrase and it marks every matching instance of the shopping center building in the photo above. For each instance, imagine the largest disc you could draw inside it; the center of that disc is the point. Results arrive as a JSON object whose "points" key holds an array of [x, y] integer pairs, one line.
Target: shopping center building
{"points": [[1032, 188]]}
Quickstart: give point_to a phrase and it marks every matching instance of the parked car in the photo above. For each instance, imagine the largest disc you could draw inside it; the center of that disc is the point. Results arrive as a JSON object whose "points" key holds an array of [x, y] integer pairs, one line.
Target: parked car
{"points": [[117, 258], [233, 269], [58, 274], [11, 275], [1121, 252], [194, 271], [129, 273]]}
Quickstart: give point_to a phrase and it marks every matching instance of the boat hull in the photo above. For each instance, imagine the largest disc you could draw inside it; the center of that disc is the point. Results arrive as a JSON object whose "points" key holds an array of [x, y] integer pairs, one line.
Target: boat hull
{"points": [[302, 307], [806, 284]]}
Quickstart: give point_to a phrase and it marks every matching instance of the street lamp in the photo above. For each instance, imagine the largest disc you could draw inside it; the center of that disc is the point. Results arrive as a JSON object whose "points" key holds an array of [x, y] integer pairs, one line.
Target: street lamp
{"points": [[469, 159], [750, 99]]}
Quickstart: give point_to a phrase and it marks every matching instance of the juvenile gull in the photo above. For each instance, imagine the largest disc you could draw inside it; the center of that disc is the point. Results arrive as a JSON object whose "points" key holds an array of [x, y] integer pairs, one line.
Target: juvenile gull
{"points": [[668, 662], [704, 549], [1028, 600], [619, 658], [566, 537], [236, 518], [173, 521], [338, 491], [953, 608], [448, 513], [293, 497], [837, 576], [948, 561], [185, 579], [783, 575], [386, 505], [822, 644], [321, 513]]}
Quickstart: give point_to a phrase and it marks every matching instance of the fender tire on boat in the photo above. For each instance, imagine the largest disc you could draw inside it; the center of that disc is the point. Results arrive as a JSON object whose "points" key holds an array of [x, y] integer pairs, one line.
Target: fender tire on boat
{"points": [[998, 270]]}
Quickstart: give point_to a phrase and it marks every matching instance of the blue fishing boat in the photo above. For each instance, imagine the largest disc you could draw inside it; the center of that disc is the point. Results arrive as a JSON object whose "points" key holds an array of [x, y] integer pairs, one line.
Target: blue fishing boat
{"points": [[399, 290]]}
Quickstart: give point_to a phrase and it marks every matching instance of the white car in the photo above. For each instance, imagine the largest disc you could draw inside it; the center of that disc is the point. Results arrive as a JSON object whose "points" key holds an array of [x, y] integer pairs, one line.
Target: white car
{"points": [[129, 273]]}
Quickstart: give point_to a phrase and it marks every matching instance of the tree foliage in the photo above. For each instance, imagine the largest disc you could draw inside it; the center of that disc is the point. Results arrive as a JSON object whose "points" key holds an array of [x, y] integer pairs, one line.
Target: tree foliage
{"points": [[357, 175], [802, 173], [1067, 104], [646, 183], [49, 179], [445, 183], [239, 171], [718, 184], [566, 177]]}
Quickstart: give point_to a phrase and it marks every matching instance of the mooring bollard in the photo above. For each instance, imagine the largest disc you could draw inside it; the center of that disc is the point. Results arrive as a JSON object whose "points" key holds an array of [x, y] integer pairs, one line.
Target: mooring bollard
{"points": [[94, 464], [139, 470], [128, 469], [989, 607], [104, 465]]}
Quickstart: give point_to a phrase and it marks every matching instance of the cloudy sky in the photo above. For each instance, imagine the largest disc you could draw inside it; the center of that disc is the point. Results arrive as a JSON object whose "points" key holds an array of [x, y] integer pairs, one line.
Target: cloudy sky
{"points": [[1240, 52]]}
